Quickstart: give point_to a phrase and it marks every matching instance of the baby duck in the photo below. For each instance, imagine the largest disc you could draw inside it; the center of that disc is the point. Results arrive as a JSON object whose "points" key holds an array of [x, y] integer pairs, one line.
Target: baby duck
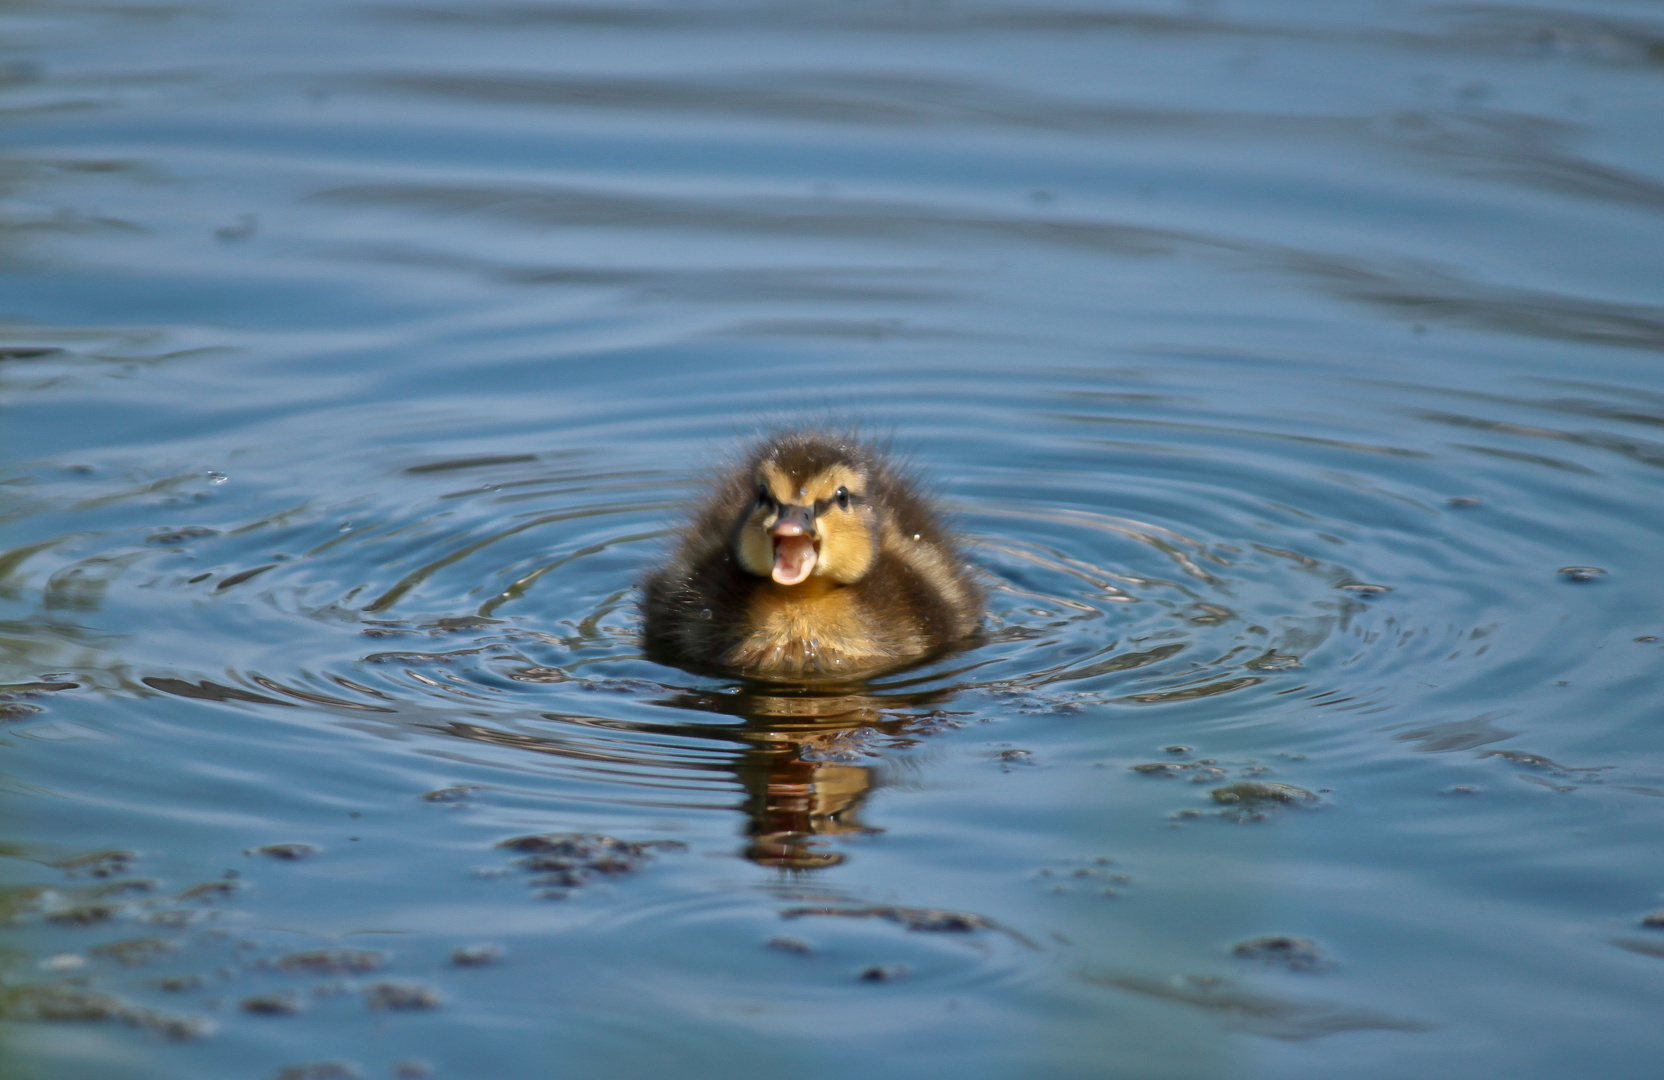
{"points": [[813, 556]]}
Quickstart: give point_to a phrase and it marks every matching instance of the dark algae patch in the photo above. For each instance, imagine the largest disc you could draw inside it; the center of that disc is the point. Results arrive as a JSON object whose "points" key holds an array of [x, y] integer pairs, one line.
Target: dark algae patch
{"points": [[561, 862], [927, 919], [280, 1003], [924, 920], [401, 996], [1255, 800], [476, 955], [1255, 1013], [132, 952], [319, 1070], [60, 1002], [288, 852], [332, 961], [1257, 794], [83, 914], [1280, 950]]}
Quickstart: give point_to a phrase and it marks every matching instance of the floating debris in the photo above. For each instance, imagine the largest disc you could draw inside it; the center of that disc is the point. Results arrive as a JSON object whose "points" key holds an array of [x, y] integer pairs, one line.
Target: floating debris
{"points": [[320, 1070], [1294, 953], [1654, 921], [181, 535], [582, 845], [17, 710], [64, 1002], [456, 793], [1260, 1014], [1463, 502], [1166, 770], [1252, 801], [1255, 793], [1580, 573], [1585, 774], [289, 852], [134, 951], [57, 1001], [332, 961], [476, 955], [1200, 772], [99, 864], [929, 920], [400, 995], [569, 860], [1460, 789], [83, 914], [882, 973], [281, 1003], [178, 984], [211, 890], [787, 944], [1177, 748]]}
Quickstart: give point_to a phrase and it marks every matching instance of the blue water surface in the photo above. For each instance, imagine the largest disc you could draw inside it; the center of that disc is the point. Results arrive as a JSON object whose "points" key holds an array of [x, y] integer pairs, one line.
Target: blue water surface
{"points": [[1292, 369]]}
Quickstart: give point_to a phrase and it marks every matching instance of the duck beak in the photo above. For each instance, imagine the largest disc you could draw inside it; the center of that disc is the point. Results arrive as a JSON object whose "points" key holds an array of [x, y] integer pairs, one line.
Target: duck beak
{"points": [[794, 544]]}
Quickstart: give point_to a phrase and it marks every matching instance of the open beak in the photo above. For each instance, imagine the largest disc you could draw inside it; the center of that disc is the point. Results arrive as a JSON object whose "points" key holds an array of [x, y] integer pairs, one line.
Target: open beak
{"points": [[795, 547]]}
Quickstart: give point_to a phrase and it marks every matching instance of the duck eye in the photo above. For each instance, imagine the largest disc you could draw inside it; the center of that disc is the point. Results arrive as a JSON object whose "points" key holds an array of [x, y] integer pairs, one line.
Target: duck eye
{"points": [[763, 497], [842, 496]]}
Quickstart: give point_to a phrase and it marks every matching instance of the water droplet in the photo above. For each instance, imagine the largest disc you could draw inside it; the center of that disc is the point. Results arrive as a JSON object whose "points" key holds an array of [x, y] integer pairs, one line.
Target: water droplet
{"points": [[704, 613], [915, 536]]}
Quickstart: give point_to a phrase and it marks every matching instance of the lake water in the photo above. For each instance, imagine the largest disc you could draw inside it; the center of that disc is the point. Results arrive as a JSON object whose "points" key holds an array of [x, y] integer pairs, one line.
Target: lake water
{"points": [[1294, 371]]}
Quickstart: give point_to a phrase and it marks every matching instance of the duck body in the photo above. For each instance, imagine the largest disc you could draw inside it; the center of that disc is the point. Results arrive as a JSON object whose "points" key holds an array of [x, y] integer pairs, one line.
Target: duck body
{"points": [[811, 556]]}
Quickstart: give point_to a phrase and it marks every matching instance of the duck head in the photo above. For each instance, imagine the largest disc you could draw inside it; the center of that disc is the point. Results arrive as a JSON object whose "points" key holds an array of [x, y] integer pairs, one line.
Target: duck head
{"points": [[810, 518]]}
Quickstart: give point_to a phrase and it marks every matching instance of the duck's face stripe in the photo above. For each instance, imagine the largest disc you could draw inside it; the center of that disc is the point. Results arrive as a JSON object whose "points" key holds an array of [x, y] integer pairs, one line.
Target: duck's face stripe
{"points": [[832, 499]]}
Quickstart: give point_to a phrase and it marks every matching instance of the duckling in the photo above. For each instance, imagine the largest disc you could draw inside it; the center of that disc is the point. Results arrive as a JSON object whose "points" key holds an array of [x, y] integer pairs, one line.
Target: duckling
{"points": [[813, 556]]}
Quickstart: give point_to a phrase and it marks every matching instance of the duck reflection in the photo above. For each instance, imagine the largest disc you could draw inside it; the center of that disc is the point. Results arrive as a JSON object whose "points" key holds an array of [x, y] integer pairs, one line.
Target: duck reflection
{"points": [[798, 750], [800, 761]]}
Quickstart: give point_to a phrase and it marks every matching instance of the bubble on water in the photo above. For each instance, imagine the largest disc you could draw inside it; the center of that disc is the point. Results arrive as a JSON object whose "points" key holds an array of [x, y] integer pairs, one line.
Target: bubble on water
{"points": [[215, 477]]}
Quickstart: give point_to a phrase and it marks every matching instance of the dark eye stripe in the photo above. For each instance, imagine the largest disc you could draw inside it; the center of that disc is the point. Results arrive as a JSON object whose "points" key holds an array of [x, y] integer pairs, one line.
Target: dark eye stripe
{"points": [[823, 505]]}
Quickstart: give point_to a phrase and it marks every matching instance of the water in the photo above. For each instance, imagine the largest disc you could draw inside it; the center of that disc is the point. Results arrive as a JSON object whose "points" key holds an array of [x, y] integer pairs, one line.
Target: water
{"points": [[1278, 360]]}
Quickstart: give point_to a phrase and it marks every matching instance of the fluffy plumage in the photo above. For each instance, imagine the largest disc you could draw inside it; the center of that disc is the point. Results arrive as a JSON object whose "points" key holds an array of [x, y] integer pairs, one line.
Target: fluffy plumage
{"points": [[811, 556]]}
